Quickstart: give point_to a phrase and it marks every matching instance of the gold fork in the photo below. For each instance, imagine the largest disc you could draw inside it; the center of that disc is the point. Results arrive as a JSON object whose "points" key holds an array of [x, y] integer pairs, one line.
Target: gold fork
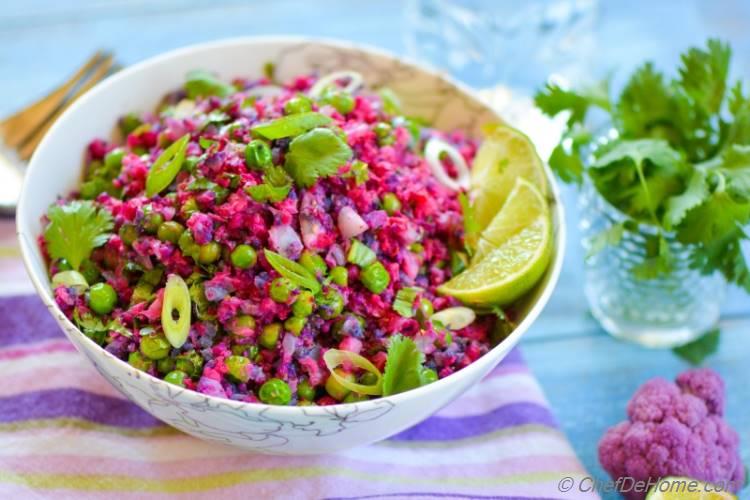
{"points": [[21, 132]]}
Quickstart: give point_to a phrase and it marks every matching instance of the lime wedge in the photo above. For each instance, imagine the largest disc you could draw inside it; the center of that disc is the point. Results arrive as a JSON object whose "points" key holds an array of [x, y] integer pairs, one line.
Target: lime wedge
{"points": [[684, 488], [505, 155], [512, 254]]}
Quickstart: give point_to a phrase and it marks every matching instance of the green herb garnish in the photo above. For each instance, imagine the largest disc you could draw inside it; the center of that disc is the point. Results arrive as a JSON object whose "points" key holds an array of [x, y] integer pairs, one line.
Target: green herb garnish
{"points": [[680, 161], [698, 350], [403, 368], [201, 83], [275, 187], [317, 153], [75, 230], [291, 125], [167, 166], [404, 301], [471, 226], [293, 271], [360, 254]]}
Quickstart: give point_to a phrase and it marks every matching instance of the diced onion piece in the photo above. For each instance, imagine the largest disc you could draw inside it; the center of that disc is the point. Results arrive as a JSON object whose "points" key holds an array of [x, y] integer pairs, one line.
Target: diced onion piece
{"points": [[350, 223], [355, 82], [336, 357], [454, 318], [184, 109], [176, 299], [72, 279], [432, 152]]}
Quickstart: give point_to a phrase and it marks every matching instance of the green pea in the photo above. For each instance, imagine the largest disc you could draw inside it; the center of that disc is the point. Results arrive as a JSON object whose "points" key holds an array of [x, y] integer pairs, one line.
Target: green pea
{"points": [[270, 335], [154, 347], [244, 256], [391, 203], [347, 318], [281, 290], [90, 272], [165, 365], [342, 101], [139, 361], [417, 248], [190, 362], [188, 208], [253, 352], [295, 324], [304, 304], [354, 397], [113, 159], [275, 392], [239, 349], [237, 367], [297, 104], [340, 275], [153, 276], [209, 253], [187, 245], [102, 298], [129, 122], [170, 231], [305, 390], [241, 324], [428, 376], [331, 304], [176, 377], [258, 155], [142, 293], [334, 387], [375, 277], [368, 378], [152, 222], [313, 263], [128, 233], [64, 265], [383, 130]]}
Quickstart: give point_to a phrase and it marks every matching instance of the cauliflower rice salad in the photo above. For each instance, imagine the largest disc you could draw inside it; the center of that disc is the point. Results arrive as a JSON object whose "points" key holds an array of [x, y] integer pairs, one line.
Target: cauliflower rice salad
{"points": [[272, 242]]}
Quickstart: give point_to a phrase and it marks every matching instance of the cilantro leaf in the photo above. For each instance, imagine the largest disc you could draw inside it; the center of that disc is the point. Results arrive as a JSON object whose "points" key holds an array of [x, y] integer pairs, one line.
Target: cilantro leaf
{"points": [[703, 74], [75, 230], [609, 237], [201, 83], [291, 125], [678, 206], [403, 368], [553, 99], [319, 152], [645, 102], [725, 255], [715, 219], [698, 350], [659, 260], [565, 159]]}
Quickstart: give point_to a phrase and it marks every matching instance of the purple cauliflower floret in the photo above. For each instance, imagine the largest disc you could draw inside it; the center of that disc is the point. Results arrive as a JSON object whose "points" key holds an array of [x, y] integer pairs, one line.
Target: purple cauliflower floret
{"points": [[675, 429]]}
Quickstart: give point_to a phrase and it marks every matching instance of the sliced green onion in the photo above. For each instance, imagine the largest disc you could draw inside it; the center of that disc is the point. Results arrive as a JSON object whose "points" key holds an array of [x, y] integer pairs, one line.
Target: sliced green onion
{"points": [[167, 166], [360, 254], [176, 300], [432, 153], [404, 302], [293, 271], [355, 82], [71, 279], [454, 318], [291, 125], [336, 357]]}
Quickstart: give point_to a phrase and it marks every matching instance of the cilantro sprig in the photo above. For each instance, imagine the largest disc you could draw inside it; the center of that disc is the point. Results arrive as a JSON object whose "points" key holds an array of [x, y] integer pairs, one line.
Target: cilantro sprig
{"points": [[404, 368], [680, 161], [75, 230]]}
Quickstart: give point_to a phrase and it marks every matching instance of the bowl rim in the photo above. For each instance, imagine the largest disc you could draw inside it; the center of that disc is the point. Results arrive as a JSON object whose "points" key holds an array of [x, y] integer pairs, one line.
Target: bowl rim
{"points": [[43, 290]]}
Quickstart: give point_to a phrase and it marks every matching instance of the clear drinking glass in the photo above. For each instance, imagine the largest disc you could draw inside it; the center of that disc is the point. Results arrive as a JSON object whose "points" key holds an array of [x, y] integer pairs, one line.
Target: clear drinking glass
{"points": [[518, 43], [668, 311]]}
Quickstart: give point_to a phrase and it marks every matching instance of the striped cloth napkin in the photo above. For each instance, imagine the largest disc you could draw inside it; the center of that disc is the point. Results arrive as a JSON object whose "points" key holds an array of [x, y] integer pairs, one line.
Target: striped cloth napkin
{"points": [[66, 433]]}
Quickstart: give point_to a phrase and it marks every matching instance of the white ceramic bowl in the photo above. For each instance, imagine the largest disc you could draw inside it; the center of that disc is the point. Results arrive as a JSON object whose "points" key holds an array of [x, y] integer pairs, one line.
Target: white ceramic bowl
{"points": [[55, 170]]}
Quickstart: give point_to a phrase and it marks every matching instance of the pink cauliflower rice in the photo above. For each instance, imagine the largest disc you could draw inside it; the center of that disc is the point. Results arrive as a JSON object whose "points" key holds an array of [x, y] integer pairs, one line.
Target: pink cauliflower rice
{"points": [[368, 224]]}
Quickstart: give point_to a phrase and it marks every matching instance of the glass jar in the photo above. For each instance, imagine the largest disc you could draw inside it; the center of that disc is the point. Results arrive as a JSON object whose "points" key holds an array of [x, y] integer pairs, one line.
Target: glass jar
{"points": [[666, 311]]}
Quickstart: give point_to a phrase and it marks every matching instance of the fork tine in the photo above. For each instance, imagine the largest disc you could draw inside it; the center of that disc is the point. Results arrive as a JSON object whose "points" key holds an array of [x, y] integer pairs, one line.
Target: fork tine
{"points": [[15, 128], [99, 74]]}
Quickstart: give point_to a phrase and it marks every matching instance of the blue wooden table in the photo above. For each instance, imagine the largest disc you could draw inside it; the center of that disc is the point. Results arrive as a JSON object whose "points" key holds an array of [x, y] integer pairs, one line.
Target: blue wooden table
{"points": [[587, 375]]}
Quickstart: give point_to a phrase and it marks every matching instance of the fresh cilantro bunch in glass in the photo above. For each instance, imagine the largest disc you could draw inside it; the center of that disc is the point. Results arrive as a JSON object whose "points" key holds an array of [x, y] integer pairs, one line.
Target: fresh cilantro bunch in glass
{"points": [[677, 159]]}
